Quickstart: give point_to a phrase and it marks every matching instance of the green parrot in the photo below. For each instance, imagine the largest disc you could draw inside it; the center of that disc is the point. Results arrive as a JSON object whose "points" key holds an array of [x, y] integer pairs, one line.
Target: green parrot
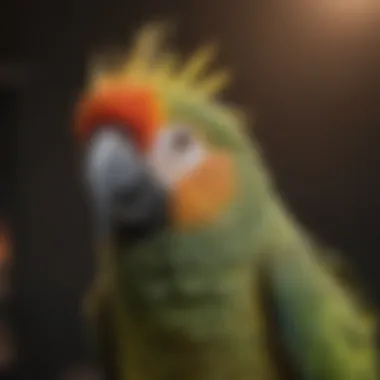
{"points": [[203, 272]]}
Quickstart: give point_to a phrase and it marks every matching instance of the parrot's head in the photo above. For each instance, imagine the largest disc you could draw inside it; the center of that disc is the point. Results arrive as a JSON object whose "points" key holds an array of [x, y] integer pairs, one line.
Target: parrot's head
{"points": [[171, 173]]}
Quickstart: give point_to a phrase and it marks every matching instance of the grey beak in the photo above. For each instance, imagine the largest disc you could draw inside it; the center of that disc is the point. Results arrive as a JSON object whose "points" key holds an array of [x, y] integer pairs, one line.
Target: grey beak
{"points": [[123, 193]]}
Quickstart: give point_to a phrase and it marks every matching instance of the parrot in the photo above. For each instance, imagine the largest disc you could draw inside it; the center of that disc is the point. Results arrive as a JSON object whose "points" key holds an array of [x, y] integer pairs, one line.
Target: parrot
{"points": [[202, 272]]}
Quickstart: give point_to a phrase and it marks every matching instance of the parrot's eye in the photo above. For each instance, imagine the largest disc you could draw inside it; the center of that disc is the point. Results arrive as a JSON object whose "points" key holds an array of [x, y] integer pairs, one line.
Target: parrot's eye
{"points": [[176, 153], [182, 140]]}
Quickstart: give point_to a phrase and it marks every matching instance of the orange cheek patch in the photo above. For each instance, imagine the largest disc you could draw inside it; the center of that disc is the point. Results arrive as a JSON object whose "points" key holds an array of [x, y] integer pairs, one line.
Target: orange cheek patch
{"points": [[201, 197]]}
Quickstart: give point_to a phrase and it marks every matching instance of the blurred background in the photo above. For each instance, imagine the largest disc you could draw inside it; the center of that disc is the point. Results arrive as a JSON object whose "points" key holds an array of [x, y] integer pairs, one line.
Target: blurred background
{"points": [[307, 71]]}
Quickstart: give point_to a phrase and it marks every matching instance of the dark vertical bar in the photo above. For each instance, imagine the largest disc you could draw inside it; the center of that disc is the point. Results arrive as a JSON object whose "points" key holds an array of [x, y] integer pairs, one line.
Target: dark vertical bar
{"points": [[8, 217]]}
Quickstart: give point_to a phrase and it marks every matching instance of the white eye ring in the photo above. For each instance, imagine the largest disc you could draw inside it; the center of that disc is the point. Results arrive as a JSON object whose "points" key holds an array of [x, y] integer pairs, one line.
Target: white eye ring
{"points": [[175, 154]]}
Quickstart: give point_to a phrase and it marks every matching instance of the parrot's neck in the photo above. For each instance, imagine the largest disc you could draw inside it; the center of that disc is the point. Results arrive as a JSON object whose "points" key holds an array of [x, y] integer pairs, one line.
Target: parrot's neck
{"points": [[224, 342], [183, 335]]}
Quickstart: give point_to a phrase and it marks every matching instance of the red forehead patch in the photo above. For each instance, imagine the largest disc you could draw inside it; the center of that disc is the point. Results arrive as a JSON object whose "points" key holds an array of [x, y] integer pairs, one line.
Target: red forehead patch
{"points": [[135, 108]]}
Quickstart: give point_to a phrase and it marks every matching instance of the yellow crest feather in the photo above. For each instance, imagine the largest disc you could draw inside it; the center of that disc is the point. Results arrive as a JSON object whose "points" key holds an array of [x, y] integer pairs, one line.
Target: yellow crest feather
{"points": [[214, 84], [148, 61], [197, 63], [144, 51]]}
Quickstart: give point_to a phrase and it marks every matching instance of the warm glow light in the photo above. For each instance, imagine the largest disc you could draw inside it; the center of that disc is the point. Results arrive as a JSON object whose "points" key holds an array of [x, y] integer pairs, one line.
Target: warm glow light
{"points": [[347, 10], [351, 6], [347, 19]]}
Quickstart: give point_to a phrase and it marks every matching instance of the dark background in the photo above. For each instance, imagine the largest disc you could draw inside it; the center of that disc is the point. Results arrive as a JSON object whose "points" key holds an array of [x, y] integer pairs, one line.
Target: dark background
{"points": [[309, 74]]}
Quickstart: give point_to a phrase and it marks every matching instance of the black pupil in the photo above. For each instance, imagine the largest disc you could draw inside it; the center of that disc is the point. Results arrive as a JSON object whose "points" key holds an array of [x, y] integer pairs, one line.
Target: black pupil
{"points": [[182, 140]]}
